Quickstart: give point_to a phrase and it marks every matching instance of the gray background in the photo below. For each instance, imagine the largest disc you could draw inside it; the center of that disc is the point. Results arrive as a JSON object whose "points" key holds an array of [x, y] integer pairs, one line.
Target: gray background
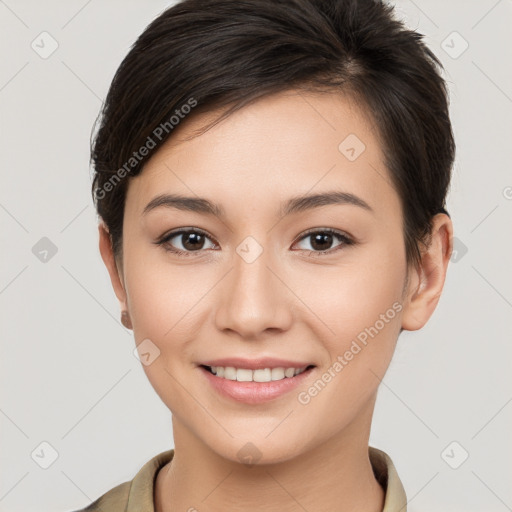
{"points": [[68, 376]]}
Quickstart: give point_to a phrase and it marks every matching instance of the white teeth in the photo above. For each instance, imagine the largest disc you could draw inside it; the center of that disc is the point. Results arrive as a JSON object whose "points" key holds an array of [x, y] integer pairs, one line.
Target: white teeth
{"points": [[264, 375], [289, 372], [230, 373], [260, 375], [244, 375], [277, 373]]}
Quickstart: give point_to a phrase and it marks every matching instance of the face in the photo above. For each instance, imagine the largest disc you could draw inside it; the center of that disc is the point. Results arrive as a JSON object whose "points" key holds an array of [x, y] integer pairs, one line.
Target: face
{"points": [[312, 282]]}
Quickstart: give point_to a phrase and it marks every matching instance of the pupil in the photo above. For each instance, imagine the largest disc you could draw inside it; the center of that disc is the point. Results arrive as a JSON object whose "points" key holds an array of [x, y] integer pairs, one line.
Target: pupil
{"points": [[197, 237], [322, 237]]}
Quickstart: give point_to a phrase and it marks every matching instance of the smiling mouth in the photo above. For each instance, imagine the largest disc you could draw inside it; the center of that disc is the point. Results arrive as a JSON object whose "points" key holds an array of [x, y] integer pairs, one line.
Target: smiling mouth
{"points": [[259, 375]]}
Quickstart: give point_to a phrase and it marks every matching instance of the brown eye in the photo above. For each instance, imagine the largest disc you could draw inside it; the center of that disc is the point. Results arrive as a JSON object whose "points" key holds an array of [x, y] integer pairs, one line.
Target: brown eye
{"points": [[321, 241], [184, 241]]}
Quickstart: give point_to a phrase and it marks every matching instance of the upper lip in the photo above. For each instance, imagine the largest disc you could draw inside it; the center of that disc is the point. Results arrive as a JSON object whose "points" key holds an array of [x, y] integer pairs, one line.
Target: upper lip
{"points": [[256, 364]]}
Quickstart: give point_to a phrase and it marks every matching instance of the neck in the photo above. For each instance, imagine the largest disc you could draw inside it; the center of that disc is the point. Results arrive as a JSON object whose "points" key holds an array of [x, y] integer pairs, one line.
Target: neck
{"points": [[334, 476]]}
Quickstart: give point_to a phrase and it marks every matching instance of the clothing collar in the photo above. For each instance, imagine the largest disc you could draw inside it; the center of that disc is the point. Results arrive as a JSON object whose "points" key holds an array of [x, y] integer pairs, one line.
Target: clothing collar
{"points": [[141, 493]]}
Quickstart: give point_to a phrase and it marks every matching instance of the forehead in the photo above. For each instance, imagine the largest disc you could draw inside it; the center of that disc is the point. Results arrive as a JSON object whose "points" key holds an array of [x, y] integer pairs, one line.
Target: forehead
{"points": [[280, 146]]}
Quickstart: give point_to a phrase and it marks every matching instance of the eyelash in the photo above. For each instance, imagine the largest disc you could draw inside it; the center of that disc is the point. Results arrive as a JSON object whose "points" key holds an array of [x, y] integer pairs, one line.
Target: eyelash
{"points": [[164, 241]]}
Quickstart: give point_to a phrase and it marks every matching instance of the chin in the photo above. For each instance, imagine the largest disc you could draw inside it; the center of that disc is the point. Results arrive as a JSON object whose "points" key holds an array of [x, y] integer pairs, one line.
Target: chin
{"points": [[257, 450]]}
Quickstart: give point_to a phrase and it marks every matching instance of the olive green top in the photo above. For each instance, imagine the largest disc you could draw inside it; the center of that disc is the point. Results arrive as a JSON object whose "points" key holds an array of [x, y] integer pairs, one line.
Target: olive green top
{"points": [[137, 495]]}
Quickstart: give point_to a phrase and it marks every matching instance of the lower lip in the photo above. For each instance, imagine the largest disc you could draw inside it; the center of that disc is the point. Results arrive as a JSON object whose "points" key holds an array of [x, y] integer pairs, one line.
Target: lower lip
{"points": [[255, 392]]}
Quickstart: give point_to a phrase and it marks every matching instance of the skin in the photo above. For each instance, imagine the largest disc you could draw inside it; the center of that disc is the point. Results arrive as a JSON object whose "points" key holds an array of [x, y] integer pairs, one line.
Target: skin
{"points": [[290, 302]]}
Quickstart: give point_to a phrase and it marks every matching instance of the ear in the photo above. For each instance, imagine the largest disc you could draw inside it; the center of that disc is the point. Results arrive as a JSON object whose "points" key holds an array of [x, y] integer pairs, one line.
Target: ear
{"points": [[107, 254], [426, 283]]}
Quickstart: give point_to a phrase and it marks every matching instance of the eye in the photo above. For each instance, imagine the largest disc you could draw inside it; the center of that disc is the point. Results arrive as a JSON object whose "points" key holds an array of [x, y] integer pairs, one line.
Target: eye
{"points": [[188, 241], [323, 238], [193, 240]]}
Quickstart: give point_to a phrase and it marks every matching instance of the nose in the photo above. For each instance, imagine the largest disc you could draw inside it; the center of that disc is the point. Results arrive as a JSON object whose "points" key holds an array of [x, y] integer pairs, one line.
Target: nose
{"points": [[254, 298]]}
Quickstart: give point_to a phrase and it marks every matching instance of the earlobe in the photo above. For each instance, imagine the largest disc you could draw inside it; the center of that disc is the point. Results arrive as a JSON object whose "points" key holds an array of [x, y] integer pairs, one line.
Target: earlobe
{"points": [[107, 255], [426, 287]]}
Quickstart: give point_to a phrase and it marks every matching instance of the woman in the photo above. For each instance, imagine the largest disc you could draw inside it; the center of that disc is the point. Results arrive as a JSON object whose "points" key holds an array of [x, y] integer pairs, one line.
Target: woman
{"points": [[270, 179]]}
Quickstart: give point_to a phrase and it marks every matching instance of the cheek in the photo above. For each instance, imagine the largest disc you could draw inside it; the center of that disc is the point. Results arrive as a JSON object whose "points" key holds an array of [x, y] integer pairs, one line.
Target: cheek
{"points": [[165, 321], [366, 328], [360, 304], [166, 303], [346, 299], [163, 298]]}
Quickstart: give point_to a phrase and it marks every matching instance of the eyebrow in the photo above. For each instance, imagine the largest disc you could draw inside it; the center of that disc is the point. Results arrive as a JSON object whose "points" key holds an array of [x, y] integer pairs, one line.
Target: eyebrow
{"points": [[294, 205]]}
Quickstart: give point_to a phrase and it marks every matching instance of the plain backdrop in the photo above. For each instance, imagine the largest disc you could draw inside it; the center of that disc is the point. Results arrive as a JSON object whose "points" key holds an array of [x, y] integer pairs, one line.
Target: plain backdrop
{"points": [[74, 398]]}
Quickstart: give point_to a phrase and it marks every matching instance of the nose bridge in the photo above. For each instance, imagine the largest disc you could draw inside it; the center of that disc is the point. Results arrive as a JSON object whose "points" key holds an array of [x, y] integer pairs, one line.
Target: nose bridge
{"points": [[253, 296]]}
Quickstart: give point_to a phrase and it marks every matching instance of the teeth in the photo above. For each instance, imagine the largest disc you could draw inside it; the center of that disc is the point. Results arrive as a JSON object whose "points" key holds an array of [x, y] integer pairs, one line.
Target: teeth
{"points": [[260, 375]]}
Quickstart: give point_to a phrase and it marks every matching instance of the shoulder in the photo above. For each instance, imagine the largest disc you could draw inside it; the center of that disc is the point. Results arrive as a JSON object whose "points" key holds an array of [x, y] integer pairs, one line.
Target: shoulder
{"points": [[134, 495], [112, 501]]}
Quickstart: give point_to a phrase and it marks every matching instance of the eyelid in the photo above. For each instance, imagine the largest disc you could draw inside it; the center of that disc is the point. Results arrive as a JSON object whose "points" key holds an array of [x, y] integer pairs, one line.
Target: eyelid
{"points": [[325, 230], [180, 231]]}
